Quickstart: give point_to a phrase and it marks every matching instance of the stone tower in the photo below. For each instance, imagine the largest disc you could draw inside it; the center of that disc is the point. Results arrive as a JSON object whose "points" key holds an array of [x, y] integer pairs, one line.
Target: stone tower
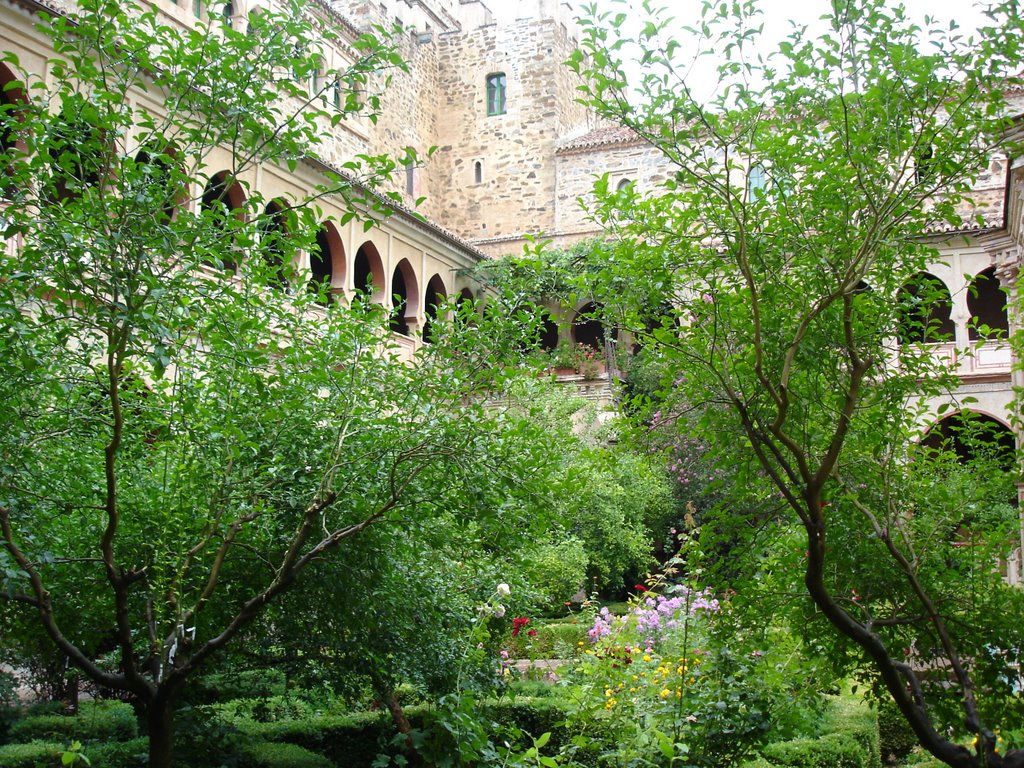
{"points": [[487, 87]]}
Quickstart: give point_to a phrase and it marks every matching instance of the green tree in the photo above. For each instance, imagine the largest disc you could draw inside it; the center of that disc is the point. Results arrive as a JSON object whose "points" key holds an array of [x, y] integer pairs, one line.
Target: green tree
{"points": [[795, 207], [180, 444]]}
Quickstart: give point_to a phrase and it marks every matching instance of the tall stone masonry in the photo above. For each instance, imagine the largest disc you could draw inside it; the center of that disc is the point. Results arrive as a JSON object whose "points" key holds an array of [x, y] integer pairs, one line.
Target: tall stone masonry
{"points": [[488, 88]]}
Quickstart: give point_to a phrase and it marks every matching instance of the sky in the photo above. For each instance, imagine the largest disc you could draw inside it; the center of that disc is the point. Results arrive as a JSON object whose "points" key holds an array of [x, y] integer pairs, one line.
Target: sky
{"points": [[778, 15]]}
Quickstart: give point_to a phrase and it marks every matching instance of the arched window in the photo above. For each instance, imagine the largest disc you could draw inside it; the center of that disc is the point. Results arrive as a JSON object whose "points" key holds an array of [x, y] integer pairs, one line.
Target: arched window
{"points": [[11, 97], [404, 297], [987, 302], [548, 340], [436, 296], [77, 151], [971, 435], [757, 180], [327, 263], [623, 185], [496, 93], [223, 200], [478, 172], [273, 232], [924, 306], [154, 180], [368, 272], [587, 327]]}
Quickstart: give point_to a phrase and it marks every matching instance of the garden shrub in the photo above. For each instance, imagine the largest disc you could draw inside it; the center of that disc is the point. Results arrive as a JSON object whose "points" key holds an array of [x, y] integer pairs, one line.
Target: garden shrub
{"points": [[851, 740], [896, 739], [30, 755], [757, 762], [918, 758], [534, 716], [852, 716], [553, 640], [96, 721], [119, 754], [358, 735], [834, 750], [281, 755], [269, 708], [557, 571], [7, 716], [247, 684]]}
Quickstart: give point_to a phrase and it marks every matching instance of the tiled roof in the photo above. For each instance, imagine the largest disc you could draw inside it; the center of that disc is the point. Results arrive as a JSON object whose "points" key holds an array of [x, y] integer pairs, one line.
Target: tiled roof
{"points": [[600, 137]]}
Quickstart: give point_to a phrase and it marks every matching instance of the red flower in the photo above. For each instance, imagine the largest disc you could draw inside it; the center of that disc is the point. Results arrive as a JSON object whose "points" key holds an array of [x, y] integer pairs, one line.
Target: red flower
{"points": [[639, 587], [532, 633], [517, 625]]}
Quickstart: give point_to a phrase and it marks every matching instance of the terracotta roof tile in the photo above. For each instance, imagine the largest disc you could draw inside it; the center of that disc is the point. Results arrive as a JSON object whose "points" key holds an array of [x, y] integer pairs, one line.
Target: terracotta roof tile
{"points": [[600, 137]]}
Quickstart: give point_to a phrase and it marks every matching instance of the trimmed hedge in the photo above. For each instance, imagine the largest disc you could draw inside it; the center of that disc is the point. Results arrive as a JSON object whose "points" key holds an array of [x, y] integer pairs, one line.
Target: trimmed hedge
{"points": [[272, 755], [851, 741], [361, 736], [896, 738], [554, 640], [834, 750], [96, 721], [358, 736], [31, 754]]}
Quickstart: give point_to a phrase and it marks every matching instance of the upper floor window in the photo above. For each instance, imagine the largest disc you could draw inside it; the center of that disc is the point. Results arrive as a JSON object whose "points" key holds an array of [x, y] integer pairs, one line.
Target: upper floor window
{"points": [[757, 180], [496, 93]]}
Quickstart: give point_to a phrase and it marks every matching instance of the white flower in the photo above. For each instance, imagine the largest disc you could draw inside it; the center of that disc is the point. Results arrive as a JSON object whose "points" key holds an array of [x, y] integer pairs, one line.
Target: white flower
{"points": [[499, 611], [504, 590]]}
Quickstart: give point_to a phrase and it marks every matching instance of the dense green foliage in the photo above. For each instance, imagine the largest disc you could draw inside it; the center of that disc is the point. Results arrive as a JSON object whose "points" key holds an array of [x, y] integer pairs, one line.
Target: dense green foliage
{"points": [[185, 440], [799, 196]]}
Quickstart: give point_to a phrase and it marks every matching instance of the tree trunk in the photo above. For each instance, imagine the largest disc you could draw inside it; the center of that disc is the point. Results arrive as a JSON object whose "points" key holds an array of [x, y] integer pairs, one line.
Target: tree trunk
{"points": [[160, 725]]}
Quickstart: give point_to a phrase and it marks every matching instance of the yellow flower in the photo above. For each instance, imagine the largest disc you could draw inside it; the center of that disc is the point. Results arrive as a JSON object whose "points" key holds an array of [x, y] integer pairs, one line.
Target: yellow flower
{"points": [[665, 693], [647, 657], [609, 704], [608, 692]]}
